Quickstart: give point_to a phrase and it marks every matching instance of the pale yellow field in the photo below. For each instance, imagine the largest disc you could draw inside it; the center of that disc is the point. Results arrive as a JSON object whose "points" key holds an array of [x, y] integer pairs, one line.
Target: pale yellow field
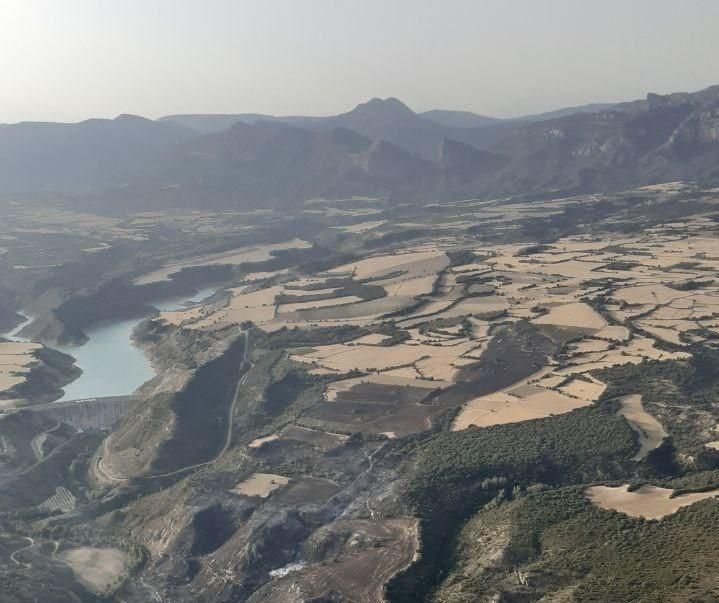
{"points": [[233, 256], [95, 568], [589, 345], [613, 333], [663, 333], [381, 379], [346, 358], [16, 361], [647, 294], [577, 315], [385, 264], [474, 267], [649, 502], [320, 303], [631, 352], [481, 306], [421, 285], [371, 339], [359, 313], [651, 432], [257, 306], [408, 372], [177, 317], [439, 362], [289, 290], [437, 367], [501, 408], [579, 388], [260, 484]]}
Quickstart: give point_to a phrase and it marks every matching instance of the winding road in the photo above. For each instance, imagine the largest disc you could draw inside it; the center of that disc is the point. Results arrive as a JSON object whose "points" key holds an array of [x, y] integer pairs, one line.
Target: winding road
{"points": [[38, 441], [105, 476], [25, 548]]}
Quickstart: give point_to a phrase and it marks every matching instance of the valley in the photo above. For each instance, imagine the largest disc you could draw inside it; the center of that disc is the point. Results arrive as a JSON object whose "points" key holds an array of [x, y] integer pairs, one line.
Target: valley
{"points": [[336, 410]]}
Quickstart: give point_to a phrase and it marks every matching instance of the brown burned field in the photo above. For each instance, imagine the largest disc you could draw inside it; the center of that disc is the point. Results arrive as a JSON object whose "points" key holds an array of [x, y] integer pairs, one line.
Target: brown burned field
{"points": [[374, 408], [321, 440], [370, 553], [306, 490]]}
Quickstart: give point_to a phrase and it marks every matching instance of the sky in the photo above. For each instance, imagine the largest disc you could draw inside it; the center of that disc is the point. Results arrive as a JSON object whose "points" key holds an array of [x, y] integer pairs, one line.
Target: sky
{"points": [[68, 60]]}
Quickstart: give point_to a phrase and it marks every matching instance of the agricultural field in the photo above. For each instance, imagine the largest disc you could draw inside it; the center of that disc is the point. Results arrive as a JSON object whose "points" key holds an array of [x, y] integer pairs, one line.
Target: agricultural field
{"points": [[458, 368], [96, 568], [260, 484], [649, 502]]}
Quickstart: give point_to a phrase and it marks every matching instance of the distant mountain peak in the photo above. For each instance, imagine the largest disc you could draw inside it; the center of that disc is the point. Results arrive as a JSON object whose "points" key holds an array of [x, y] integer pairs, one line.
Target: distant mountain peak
{"points": [[390, 106], [130, 117]]}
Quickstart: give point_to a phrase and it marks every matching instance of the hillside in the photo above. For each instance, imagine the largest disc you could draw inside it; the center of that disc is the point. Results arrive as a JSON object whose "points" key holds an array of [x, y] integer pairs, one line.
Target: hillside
{"points": [[380, 148], [276, 164], [70, 158]]}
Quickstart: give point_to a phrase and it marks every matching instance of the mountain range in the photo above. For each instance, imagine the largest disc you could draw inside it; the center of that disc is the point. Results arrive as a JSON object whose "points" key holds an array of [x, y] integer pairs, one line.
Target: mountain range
{"points": [[381, 147]]}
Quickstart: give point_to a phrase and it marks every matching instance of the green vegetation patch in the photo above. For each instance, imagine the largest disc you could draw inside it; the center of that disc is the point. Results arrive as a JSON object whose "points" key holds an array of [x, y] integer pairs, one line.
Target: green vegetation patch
{"points": [[457, 472], [557, 542]]}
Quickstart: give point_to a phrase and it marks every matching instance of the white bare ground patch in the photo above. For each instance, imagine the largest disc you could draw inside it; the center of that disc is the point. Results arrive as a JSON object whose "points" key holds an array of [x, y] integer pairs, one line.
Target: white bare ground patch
{"points": [[259, 442], [95, 568], [361, 227], [260, 484], [651, 432], [713, 445], [649, 502]]}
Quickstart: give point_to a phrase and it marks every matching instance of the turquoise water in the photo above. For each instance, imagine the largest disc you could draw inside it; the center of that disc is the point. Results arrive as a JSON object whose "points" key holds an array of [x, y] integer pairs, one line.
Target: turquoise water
{"points": [[111, 365]]}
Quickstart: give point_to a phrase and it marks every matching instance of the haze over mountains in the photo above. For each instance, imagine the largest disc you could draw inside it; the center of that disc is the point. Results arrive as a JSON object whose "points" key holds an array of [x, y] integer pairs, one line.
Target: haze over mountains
{"points": [[381, 147]]}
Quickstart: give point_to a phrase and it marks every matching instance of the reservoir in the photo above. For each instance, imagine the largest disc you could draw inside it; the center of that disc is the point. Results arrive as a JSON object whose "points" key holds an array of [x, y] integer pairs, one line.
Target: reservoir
{"points": [[111, 365]]}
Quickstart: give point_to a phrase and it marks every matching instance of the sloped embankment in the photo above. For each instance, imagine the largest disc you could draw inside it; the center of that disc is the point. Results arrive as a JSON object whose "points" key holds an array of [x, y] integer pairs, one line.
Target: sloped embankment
{"points": [[173, 430]]}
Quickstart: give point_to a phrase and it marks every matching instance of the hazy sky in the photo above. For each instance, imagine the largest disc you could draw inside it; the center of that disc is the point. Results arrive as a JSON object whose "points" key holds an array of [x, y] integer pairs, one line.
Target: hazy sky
{"points": [[67, 60]]}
